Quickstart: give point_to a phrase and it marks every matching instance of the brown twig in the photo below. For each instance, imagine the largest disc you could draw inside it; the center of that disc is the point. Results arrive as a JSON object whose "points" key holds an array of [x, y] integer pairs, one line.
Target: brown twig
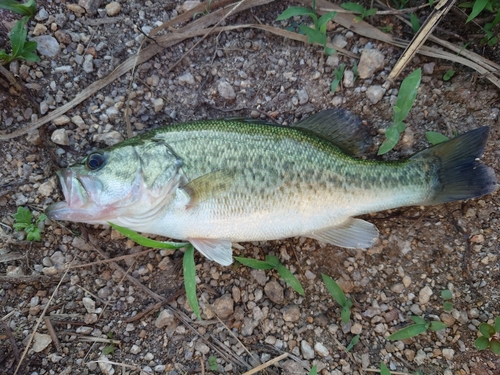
{"points": [[52, 333], [179, 291]]}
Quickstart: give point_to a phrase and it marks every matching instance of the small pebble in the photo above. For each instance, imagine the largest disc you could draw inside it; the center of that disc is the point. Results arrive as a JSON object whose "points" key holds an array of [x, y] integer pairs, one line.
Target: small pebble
{"points": [[226, 90], [321, 349], [113, 8], [291, 313], [375, 93], [275, 292], [424, 295], [371, 60], [224, 306], [187, 78], [306, 350], [164, 319], [60, 137], [41, 341]]}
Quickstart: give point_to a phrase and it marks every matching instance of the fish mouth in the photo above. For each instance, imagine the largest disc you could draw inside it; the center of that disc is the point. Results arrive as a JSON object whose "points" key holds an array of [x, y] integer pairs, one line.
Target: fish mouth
{"points": [[77, 193]]}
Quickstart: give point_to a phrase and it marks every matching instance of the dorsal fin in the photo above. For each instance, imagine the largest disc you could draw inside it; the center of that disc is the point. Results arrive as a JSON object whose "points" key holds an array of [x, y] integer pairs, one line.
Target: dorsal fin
{"points": [[340, 127]]}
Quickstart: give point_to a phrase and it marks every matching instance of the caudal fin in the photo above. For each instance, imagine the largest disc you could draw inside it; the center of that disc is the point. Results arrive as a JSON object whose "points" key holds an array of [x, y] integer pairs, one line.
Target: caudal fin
{"points": [[460, 174]]}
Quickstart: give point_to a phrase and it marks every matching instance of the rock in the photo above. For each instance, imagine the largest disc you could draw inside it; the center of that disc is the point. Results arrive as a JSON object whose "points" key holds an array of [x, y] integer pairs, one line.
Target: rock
{"points": [[259, 276], [112, 112], [321, 349], [90, 6], [356, 329], [113, 8], [306, 350], [375, 93], [248, 326], [47, 188], [339, 41], [164, 319], [188, 5], [226, 90], [406, 281], [447, 319], [60, 137], [61, 120], [105, 365], [333, 60], [80, 244], [88, 65], [348, 78], [75, 8], [39, 29], [41, 341], [202, 347], [274, 291], [42, 15], [291, 313], [135, 349], [158, 105], [291, 367], [78, 121], [448, 354], [424, 295], [89, 304], [303, 96], [110, 139], [224, 306], [47, 45], [187, 78], [33, 137], [371, 60], [63, 37], [428, 68]]}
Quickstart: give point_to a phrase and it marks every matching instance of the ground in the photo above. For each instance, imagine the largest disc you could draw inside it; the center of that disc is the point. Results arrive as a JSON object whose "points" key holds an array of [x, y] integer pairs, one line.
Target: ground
{"points": [[249, 316]]}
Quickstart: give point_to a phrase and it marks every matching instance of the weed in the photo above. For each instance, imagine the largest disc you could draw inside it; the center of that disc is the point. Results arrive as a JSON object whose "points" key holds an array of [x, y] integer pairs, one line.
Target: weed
{"points": [[446, 295], [273, 262], [21, 48], [357, 8], [212, 363], [386, 29], [449, 73], [353, 342], [478, 6], [316, 34], [205, 12], [406, 98], [383, 369], [109, 349], [435, 138], [416, 329], [339, 296], [23, 221], [490, 337], [415, 23], [339, 72], [314, 370]]}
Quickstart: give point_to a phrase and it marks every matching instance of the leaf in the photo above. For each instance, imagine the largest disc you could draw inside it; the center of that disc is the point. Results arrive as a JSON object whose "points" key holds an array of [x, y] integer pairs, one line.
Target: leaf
{"points": [[353, 7], [481, 343], [27, 9], [353, 342], [212, 363], [495, 346], [415, 23], [29, 56], [30, 46], [487, 330], [477, 8], [334, 289], [33, 235], [449, 73], [437, 326], [290, 279], [407, 94], [447, 306], [20, 226], [23, 215], [110, 349], [314, 371], [418, 320], [369, 12], [41, 218], [190, 280], [147, 242], [436, 138], [314, 36], [295, 11], [254, 263], [387, 145], [18, 36], [273, 260], [345, 314], [445, 294], [330, 51], [497, 324], [323, 21], [410, 331], [335, 83], [383, 369]]}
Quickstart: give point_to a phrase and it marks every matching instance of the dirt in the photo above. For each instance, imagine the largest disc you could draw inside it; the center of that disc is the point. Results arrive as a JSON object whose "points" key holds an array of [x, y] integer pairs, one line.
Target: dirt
{"points": [[421, 250]]}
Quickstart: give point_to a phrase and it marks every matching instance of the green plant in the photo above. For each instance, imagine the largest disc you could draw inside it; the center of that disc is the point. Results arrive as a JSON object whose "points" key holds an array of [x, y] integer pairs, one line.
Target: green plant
{"points": [[400, 4], [435, 138], [353, 342], [205, 12], [415, 23], [490, 337], [406, 98], [447, 295], [212, 363], [21, 48], [386, 29], [272, 262], [314, 370], [338, 295], [23, 221], [357, 8], [316, 34], [478, 6], [189, 267], [383, 369], [339, 72], [109, 349], [419, 327], [449, 73]]}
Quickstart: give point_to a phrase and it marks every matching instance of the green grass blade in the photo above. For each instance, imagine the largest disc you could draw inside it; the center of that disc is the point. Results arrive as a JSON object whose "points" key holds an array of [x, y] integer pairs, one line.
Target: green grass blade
{"points": [[415, 23], [18, 36], [314, 371], [437, 326], [190, 280], [406, 96], [353, 342], [353, 7], [335, 290], [323, 20], [410, 331], [383, 369], [477, 8], [418, 320], [345, 314], [273, 260], [26, 9], [254, 263], [295, 11], [147, 242], [313, 36], [290, 279]]}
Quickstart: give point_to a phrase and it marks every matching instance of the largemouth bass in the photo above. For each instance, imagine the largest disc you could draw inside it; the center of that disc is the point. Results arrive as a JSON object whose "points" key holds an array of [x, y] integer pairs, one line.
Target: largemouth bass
{"points": [[230, 180]]}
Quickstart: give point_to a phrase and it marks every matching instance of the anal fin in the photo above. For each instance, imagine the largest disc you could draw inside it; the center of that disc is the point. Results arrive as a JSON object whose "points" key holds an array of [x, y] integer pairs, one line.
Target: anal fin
{"points": [[352, 234], [219, 251]]}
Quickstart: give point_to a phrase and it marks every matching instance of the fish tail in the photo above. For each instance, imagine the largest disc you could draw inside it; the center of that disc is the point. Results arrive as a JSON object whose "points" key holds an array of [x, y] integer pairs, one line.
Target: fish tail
{"points": [[458, 172]]}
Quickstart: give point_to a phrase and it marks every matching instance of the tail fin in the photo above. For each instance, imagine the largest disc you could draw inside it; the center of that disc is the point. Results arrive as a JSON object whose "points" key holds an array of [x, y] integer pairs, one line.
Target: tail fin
{"points": [[460, 175]]}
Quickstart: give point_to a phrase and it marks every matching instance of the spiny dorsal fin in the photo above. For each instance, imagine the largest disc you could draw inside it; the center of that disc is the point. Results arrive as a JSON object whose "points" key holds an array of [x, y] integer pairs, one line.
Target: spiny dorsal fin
{"points": [[209, 185], [342, 128]]}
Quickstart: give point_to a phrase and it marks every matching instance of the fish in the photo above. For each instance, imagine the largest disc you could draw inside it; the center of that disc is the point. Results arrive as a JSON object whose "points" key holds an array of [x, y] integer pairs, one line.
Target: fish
{"points": [[215, 182]]}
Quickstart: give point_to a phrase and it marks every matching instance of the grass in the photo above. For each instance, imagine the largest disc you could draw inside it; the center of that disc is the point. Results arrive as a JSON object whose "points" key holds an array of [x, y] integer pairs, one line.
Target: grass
{"points": [[358, 8], [416, 329], [338, 295], [24, 222]]}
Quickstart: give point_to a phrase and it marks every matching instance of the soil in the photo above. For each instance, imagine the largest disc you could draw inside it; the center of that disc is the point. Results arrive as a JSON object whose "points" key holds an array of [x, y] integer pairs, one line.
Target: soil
{"points": [[249, 316]]}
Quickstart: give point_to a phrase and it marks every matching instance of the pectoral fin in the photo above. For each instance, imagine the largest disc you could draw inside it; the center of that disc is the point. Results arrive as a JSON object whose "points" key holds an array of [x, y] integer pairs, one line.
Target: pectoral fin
{"points": [[219, 251], [353, 234], [209, 185]]}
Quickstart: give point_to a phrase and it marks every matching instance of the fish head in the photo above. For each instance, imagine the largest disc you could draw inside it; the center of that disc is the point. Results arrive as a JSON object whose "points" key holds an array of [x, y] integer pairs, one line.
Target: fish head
{"points": [[124, 181]]}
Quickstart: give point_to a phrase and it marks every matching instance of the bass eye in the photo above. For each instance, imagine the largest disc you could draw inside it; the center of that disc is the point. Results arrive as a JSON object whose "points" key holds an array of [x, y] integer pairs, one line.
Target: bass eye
{"points": [[94, 161]]}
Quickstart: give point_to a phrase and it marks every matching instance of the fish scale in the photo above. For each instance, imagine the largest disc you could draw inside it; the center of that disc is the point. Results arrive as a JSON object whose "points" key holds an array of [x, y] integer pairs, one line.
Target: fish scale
{"points": [[215, 182]]}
